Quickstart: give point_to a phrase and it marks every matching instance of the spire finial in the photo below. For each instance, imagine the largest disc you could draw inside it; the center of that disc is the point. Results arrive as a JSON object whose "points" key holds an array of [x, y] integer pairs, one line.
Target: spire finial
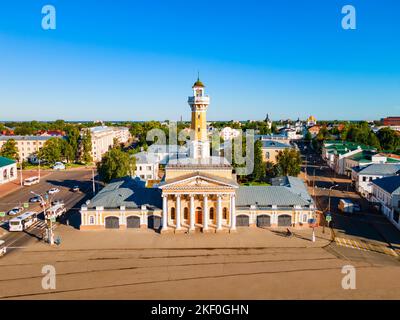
{"points": [[198, 75]]}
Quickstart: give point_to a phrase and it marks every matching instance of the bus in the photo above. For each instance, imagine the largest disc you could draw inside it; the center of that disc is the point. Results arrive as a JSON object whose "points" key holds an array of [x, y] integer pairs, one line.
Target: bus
{"points": [[22, 222], [31, 181]]}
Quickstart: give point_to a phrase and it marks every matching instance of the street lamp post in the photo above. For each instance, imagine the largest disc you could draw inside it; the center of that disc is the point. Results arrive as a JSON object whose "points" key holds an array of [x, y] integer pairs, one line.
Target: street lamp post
{"points": [[329, 197], [49, 223]]}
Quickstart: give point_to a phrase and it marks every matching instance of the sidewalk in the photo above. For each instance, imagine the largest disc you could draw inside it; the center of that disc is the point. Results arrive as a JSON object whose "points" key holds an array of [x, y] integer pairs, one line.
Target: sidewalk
{"points": [[246, 238]]}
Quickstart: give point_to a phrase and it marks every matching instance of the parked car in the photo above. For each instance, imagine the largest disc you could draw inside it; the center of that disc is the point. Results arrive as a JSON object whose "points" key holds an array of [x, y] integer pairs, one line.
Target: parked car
{"points": [[15, 211], [59, 166], [34, 199], [356, 207], [75, 189], [53, 191]]}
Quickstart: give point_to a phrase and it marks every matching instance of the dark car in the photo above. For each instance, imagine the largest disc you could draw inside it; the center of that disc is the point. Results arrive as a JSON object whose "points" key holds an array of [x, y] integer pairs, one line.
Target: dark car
{"points": [[34, 199]]}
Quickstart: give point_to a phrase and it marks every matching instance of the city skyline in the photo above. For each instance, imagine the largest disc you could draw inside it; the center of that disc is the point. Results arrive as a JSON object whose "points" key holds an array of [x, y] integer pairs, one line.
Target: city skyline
{"points": [[140, 65]]}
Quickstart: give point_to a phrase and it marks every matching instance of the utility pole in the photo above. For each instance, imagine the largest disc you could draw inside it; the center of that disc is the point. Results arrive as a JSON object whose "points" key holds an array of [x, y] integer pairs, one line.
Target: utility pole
{"points": [[39, 170], [20, 174], [93, 183], [49, 222]]}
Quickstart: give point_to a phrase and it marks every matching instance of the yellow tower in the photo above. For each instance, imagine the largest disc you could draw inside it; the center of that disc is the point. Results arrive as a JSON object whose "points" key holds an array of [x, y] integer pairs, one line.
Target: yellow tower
{"points": [[200, 147]]}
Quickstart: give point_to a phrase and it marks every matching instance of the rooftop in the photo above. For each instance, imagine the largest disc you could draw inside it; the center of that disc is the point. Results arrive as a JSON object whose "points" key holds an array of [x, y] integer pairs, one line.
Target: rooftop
{"points": [[273, 144], [389, 184], [379, 169], [6, 161]]}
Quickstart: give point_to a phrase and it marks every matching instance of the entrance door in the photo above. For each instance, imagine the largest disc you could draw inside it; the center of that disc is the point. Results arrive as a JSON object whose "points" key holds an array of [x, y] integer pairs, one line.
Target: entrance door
{"points": [[242, 221], [133, 222], [199, 215], [263, 221], [154, 222], [112, 223], [284, 221]]}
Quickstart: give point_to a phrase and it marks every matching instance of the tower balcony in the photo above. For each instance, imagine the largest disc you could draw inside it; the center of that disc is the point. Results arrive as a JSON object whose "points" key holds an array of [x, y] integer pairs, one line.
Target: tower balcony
{"points": [[199, 100]]}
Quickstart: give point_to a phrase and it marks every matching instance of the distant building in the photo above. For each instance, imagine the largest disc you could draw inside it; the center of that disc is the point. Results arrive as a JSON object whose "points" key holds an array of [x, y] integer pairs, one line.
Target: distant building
{"points": [[271, 148], [314, 130], [365, 157], [311, 121], [51, 133], [386, 193], [27, 145], [268, 122], [103, 139], [391, 121], [8, 170]]}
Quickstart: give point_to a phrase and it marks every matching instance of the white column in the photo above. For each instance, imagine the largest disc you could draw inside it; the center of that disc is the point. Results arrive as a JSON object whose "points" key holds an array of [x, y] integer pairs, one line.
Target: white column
{"points": [[205, 213], [219, 212], [233, 213], [178, 212], [165, 213], [192, 214]]}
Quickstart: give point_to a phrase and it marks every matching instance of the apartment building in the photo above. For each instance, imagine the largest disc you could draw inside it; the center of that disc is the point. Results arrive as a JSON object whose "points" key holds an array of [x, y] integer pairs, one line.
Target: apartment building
{"points": [[103, 138], [27, 145]]}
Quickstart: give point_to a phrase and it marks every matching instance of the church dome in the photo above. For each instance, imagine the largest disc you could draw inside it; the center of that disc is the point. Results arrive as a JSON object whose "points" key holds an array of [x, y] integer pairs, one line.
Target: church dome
{"points": [[198, 83]]}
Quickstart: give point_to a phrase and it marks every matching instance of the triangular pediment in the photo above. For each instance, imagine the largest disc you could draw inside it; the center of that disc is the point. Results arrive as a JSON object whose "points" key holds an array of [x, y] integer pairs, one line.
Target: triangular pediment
{"points": [[199, 181]]}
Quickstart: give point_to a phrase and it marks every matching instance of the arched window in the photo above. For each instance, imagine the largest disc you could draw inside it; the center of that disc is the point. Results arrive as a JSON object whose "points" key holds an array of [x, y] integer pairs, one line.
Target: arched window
{"points": [[225, 213], [211, 213], [5, 174], [267, 155], [12, 172], [172, 213], [186, 213]]}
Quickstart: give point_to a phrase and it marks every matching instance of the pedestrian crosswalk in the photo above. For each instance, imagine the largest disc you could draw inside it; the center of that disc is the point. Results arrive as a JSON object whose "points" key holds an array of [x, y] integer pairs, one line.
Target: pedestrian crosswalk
{"points": [[364, 246]]}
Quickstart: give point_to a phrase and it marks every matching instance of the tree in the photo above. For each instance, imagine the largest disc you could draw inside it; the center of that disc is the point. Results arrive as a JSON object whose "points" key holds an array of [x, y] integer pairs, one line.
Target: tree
{"points": [[259, 166], [308, 136], [288, 162], [86, 146], [116, 164], [52, 150], [73, 137], [10, 150], [389, 139]]}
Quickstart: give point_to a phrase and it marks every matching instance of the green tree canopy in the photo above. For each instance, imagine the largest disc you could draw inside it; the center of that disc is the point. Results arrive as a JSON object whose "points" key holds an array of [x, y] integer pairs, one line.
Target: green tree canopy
{"points": [[288, 162], [116, 164], [10, 150], [259, 166], [389, 139]]}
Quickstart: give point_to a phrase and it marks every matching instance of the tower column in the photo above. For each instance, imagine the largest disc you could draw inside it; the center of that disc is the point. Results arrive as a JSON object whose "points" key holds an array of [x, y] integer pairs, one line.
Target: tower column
{"points": [[165, 213], [192, 214], [233, 213], [219, 212], [178, 212], [205, 213]]}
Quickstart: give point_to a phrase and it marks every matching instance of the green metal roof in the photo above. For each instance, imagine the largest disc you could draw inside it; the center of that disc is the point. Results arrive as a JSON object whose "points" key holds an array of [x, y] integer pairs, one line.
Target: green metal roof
{"points": [[6, 161]]}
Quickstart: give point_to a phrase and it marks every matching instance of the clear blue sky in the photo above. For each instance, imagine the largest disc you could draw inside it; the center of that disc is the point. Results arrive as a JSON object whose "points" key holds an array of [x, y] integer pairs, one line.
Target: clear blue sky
{"points": [[137, 60]]}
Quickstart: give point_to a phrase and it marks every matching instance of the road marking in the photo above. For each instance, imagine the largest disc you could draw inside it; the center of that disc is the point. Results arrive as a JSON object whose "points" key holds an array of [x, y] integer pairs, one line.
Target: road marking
{"points": [[364, 246]]}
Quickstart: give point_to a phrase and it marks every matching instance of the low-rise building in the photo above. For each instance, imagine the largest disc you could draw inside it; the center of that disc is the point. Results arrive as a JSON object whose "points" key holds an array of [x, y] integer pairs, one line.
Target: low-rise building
{"points": [[26, 145], [363, 177], [336, 152], [364, 158], [271, 148], [8, 170], [386, 193], [314, 130], [311, 121]]}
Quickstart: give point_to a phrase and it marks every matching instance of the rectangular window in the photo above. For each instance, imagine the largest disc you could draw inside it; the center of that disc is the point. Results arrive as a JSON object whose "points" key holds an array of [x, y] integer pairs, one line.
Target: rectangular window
{"points": [[91, 220]]}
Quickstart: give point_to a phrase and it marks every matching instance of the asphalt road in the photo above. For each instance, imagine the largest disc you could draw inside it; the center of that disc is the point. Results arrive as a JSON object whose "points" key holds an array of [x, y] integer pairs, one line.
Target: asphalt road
{"points": [[63, 180], [367, 226]]}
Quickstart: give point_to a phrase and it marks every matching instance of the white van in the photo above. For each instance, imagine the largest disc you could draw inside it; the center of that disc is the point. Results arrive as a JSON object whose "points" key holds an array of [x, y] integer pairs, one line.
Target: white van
{"points": [[31, 181], [346, 205]]}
